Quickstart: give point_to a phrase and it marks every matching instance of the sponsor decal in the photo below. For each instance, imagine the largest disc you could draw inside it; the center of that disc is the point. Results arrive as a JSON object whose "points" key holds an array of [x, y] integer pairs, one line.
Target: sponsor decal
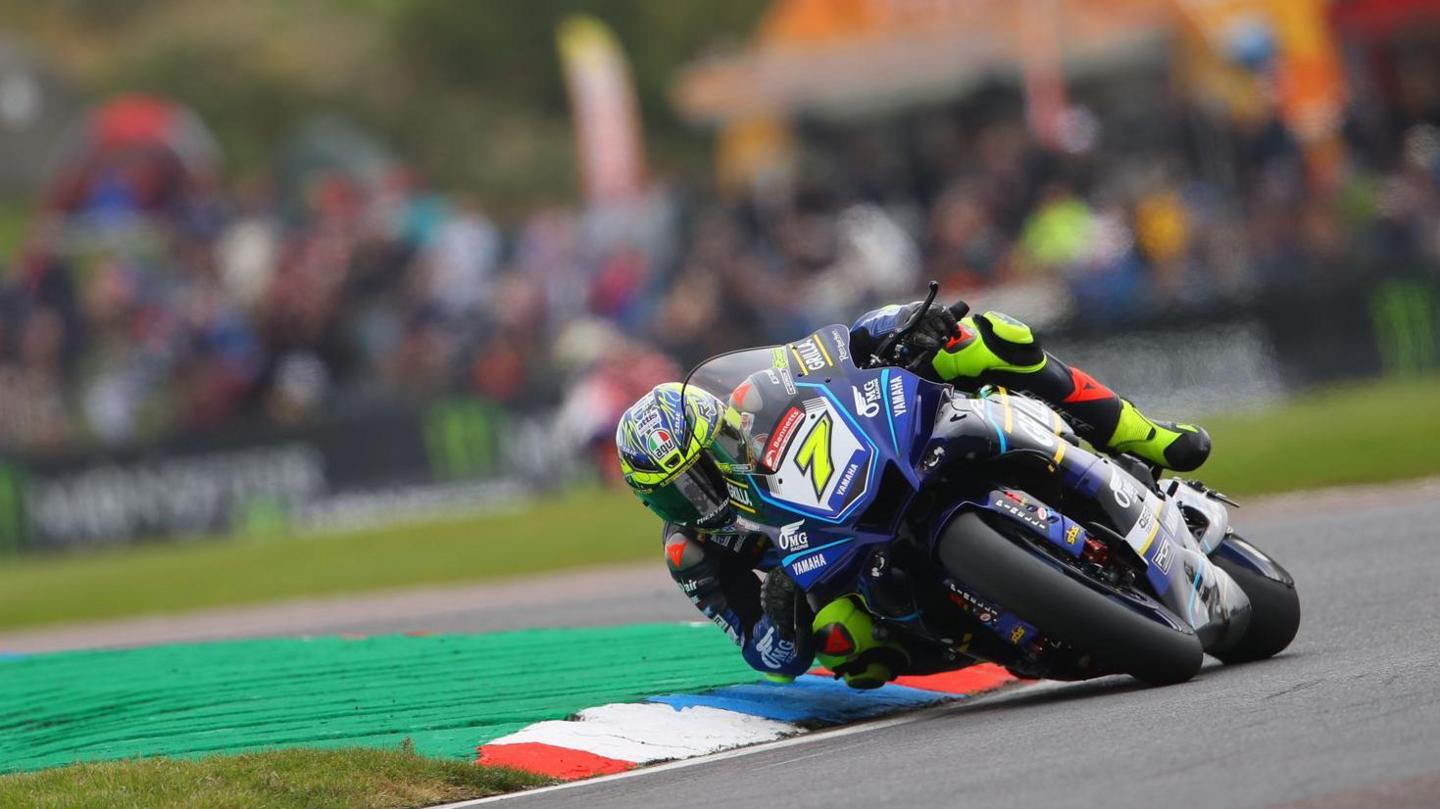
{"points": [[1143, 522], [739, 494], [1164, 556], [809, 563], [897, 395], [774, 650], [787, 380], [660, 442], [705, 406], [1013, 629], [983, 612], [1023, 515], [649, 418], [842, 344], [811, 355], [845, 481], [1072, 535], [1125, 494], [675, 551], [775, 448], [781, 378], [725, 626], [791, 538], [726, 541], [814, 455], [867, 398]]}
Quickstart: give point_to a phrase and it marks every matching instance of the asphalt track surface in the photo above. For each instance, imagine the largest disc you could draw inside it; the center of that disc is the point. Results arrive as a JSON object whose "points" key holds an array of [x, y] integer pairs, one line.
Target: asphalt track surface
{"points": [[1349, 716]]}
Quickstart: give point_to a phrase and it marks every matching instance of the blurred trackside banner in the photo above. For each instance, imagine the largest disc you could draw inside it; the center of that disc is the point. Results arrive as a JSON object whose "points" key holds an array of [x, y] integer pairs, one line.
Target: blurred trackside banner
{"points": [[448, 455], [1297, 65], [602, 102]]}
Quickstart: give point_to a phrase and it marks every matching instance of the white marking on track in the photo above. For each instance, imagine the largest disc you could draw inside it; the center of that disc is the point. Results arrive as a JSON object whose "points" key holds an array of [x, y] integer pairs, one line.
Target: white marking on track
{"points": [[652, 731], [848, 730]]}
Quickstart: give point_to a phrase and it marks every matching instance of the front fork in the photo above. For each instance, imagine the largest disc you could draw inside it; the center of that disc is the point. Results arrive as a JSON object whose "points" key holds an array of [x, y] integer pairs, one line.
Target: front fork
{"points": [[1199, 516]]}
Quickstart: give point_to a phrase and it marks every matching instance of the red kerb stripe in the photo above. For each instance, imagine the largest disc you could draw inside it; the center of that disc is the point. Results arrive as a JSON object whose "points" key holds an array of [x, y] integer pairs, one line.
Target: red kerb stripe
{"points": [[545, 759], [984, 677], [974, 680]]}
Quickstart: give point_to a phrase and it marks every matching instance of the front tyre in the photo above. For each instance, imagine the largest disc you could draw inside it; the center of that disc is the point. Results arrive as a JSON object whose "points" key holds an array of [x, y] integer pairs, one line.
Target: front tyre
{"points": [[1274, 604], [1063, 607]]}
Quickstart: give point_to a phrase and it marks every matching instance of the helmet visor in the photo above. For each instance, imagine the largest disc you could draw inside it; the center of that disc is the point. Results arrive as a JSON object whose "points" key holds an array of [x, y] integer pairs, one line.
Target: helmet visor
{"points": [[696, 498]]}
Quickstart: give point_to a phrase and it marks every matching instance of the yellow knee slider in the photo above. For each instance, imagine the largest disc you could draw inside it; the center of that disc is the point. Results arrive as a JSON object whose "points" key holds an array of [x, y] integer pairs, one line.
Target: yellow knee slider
{"points": [[845, 643]]}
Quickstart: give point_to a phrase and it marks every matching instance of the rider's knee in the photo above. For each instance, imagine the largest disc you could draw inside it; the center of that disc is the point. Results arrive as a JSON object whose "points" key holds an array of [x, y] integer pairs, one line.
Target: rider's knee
{"points": [[1009, 339], [991, 341]]}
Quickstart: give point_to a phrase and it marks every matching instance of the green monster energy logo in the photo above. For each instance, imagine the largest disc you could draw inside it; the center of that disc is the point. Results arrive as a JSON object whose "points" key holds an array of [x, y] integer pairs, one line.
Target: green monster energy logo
{"points": [[13, 486], [1404, 316], [462, 438]]}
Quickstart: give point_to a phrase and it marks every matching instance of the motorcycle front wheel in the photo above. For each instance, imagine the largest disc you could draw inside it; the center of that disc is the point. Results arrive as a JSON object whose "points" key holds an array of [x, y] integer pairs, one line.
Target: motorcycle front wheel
{"points": [[1274, 607]]}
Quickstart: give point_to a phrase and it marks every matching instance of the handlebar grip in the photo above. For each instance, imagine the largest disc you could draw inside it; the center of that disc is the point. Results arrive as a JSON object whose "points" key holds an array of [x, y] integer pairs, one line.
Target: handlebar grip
{"points": [[959, 309]]}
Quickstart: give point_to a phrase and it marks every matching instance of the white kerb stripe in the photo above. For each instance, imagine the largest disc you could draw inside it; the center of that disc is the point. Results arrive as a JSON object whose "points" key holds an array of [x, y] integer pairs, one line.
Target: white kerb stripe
{"points": [[943, 709], [645, 732]]}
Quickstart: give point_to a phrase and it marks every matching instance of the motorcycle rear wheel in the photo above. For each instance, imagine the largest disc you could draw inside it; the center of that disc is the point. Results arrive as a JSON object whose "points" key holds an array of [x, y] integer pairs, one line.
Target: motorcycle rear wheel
{"points": [[1063, 607]]}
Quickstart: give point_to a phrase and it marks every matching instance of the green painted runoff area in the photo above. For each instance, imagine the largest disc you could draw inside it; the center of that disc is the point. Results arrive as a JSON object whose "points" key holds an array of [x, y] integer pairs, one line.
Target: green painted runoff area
{"points": [[445, 693], [1373, 433]]}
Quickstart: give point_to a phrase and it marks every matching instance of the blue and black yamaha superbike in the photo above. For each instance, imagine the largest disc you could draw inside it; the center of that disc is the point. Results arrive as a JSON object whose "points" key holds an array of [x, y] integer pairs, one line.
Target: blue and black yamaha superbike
{"points": [[975, 527]]}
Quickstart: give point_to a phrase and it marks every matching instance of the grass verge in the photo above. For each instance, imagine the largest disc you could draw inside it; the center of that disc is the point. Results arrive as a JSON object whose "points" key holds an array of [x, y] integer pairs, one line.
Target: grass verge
{"points": [[579, 530], [354, 778], [1364, 434], [1373, 433]]}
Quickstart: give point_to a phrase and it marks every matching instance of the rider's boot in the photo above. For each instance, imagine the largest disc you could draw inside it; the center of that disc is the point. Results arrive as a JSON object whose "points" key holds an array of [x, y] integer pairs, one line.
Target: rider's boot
{"points": [[846, 643], [1181, 447]]}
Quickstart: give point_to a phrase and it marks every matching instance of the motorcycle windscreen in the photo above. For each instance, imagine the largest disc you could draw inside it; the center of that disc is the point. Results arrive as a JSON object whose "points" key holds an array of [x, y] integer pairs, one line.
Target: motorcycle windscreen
{"points": [[786, 435]]}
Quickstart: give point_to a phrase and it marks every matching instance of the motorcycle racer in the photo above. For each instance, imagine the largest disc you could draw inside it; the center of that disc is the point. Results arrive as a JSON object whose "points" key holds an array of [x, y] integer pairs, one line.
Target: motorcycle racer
{"points": [[713, 552]]}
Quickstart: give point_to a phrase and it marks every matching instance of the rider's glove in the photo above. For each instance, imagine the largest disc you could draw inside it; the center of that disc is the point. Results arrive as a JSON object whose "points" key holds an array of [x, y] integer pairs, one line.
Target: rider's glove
{"points": [[781, 642], [937, 325]]}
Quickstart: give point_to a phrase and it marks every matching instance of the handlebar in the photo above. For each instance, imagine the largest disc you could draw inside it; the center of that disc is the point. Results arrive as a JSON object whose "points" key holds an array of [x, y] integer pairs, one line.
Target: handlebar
{"points": [[882, 351]]}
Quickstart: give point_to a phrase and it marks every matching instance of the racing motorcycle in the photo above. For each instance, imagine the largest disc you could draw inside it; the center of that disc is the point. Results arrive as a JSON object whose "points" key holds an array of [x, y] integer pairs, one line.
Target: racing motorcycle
{"points": [[976, 527]]}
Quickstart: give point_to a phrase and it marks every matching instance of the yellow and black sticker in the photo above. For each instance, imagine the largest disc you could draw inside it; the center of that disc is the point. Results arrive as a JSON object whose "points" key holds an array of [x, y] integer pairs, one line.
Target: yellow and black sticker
{"points": [[810, 355], [740, 495]]}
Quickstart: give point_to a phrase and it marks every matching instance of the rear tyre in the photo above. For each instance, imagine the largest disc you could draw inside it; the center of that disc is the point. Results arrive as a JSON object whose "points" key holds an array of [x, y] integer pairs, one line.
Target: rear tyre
{"points": [[1274, 613], [1064, 608]]}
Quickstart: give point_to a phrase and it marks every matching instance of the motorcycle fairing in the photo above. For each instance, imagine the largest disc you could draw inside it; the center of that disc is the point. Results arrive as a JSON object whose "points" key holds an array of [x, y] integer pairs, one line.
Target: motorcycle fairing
{"points": [[827, 467], [1247, 555], [1178, 571]]}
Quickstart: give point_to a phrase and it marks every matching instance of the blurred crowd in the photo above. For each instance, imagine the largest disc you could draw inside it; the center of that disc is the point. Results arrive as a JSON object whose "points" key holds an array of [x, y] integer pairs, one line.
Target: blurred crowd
{"points": [[151, 300]]}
